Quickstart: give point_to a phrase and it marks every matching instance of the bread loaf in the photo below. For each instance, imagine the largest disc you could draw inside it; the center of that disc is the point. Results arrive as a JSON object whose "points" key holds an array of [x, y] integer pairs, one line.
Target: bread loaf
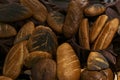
{"points": [[68, 65]]}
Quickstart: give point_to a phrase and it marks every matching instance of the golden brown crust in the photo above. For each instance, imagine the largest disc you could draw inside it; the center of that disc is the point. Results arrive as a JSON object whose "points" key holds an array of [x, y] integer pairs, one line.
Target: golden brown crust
{"points": [[97, 27], [14, 60], [84, 34], [68, 65], [25, 31], [5, 78], [94, 9], [118, 75], [106, 35]]}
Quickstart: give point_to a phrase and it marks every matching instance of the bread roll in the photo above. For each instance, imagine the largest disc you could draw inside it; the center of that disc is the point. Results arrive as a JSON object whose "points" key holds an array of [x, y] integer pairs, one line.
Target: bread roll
{"points": [[68, 65]]}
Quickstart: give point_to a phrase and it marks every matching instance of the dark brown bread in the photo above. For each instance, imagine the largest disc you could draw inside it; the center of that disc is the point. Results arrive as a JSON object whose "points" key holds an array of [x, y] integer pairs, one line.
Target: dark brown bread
{"points": [[34, 57], [14, 12], [44, 69], [96, 61], [73, 17], [7, 30], [43, 39], [55, 20], [106, 74], [39, 10]]}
